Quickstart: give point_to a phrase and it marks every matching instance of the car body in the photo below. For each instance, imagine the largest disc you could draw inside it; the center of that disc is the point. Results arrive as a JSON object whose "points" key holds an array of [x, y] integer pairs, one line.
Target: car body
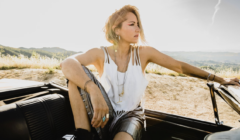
{"points": [[38, 110]]}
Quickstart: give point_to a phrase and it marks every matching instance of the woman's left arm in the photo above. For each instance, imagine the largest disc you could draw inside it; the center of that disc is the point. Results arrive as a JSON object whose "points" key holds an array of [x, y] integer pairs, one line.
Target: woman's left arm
{"points": [[153, 55]]}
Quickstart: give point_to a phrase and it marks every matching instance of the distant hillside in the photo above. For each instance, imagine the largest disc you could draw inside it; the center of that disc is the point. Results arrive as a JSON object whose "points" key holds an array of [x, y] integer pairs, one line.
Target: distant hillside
{"points": [[52, 52], [216, 61], [49, 49], [213, 60], [226, 57]]}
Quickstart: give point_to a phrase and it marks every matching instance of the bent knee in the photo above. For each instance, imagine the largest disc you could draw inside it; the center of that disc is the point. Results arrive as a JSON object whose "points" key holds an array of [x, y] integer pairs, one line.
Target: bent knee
{"points": [[123, 135], [71, 84]]}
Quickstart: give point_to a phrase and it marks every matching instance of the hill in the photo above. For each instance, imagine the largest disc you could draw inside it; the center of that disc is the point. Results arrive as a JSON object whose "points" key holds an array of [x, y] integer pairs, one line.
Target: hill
{"points": [[224, 57], [216, 61], [49, 49], [51, 52]]}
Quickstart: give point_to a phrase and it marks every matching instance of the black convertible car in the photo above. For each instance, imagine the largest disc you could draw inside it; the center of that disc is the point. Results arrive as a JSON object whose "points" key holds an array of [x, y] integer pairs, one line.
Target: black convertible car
{"points": [[41, 111]]}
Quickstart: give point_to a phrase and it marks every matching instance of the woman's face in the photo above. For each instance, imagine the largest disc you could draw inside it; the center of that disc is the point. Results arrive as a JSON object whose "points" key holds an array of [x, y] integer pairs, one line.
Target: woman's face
{"points": [[130, 29]]}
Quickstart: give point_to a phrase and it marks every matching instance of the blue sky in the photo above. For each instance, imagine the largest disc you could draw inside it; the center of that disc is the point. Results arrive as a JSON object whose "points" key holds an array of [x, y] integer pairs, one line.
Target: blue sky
{"points": [[169, 25]]}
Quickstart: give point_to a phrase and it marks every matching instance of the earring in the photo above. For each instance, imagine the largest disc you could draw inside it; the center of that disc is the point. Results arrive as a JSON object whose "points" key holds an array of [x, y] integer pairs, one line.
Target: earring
{"points": [[118, 37]]}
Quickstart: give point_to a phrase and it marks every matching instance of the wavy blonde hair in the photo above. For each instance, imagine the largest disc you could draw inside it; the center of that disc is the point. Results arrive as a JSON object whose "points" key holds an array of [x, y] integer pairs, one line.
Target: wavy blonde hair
{"points": [[115, 21]]}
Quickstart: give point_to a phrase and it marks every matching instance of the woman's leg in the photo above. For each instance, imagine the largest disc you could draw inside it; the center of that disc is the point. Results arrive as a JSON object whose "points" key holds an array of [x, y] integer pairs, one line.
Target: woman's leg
{"points": [[123, 136], [130, 126], [81, 119], [82, 107]]}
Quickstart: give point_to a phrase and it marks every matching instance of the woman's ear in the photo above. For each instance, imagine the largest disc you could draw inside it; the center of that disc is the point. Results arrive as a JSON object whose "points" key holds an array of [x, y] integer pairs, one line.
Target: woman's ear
{"points": [[116, 31]]}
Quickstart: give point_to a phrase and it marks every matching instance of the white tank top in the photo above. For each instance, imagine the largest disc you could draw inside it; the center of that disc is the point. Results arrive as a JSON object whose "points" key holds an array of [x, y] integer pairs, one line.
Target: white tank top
{"points": [[134, 87]]}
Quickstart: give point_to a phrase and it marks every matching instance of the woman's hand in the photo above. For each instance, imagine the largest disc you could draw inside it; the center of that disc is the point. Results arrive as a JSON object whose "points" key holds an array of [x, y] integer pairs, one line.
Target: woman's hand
{"points": [[100, 107], [230, 81]]}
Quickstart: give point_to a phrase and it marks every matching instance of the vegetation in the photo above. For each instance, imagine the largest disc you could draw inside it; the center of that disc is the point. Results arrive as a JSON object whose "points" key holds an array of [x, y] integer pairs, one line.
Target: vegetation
{"points": [[223, 57], [36, 61], [224, 72], [215, 66], [50, 58], [54, 52]]}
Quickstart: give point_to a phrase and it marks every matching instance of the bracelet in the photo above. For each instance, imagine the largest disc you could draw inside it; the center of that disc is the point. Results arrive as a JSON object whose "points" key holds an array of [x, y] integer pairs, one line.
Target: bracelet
{"points": [[213, 77], [208, 77], [86, 84]]}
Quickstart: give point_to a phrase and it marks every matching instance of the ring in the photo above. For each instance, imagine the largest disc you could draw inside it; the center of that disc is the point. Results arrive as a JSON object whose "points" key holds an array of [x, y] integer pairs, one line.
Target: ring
{"points": [[107, 116], [103, 119]]}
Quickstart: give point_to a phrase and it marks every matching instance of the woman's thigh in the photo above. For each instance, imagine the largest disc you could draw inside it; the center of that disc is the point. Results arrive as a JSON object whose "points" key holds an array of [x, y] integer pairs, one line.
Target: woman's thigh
{"points": [[123, 136], [129, 126]]}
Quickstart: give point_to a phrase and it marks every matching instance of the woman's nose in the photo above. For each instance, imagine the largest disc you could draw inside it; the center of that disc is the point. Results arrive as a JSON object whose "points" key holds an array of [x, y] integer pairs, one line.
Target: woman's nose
{"points": [[137, 29]]}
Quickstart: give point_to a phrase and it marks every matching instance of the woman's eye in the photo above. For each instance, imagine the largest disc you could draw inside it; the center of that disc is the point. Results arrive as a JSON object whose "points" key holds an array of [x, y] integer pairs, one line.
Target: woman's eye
{"points": [[133, 25]]}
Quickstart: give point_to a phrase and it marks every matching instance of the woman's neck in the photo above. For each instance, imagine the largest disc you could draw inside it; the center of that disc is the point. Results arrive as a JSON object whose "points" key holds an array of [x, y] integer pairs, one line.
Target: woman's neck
{"points": [[122, 49]]}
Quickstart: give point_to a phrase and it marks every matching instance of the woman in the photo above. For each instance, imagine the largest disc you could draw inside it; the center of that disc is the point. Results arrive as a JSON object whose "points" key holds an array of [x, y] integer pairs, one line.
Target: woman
{"points": [[121, 69]]}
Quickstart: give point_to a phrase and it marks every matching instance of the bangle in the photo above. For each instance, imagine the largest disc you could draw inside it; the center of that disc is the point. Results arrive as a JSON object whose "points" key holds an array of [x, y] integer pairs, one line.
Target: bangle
{"points": [[213, 77], [86, 84], [208, 77]]}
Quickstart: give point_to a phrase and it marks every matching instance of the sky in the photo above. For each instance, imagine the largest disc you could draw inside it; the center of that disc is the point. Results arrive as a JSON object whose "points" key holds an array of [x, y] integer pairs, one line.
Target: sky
{"points": [[169, 25]]}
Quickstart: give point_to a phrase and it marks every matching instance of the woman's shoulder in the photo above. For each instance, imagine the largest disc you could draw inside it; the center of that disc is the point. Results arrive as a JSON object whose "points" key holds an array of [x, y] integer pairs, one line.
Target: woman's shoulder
{"points": [[145, 54], [96, 52], [100, 50], [144, 49]]}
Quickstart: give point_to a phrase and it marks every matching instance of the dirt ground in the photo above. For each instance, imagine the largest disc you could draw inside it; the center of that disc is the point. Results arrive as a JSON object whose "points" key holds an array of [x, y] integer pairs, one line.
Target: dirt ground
{"points": [[185, 96]]}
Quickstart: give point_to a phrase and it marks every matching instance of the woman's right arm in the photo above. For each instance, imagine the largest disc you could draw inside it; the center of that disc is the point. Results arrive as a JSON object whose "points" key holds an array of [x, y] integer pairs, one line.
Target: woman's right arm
{"points": [[72, 69]]}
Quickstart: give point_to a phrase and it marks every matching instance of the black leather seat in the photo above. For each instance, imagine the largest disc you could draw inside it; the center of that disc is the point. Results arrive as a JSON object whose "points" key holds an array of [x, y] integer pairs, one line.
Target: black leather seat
{"points": [[43, 118]]}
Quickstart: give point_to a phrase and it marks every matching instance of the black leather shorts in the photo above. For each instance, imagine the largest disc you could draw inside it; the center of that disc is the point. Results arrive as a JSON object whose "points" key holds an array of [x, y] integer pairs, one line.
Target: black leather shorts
{"points": [[131, 122]]}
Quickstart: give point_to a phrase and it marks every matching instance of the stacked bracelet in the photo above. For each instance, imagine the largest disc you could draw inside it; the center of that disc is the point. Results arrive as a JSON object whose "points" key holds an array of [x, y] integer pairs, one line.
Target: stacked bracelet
{"points": [[208, 77], [86, 84], [213, 77]]}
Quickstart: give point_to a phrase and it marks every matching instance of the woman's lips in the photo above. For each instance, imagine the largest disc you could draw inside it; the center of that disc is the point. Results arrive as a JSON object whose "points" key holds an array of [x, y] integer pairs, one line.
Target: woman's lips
{"points": [[136, 36]]}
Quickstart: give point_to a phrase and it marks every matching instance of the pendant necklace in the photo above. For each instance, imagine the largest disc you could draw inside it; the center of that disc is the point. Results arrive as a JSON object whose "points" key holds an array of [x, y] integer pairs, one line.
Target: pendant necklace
{"points": [[121, 94]]}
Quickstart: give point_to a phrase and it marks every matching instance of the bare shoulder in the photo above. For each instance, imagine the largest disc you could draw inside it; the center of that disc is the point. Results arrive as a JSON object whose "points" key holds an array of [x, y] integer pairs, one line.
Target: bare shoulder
{"points": [[144, 52], [99, 52], [144, 56], [91, 57], [143, 48], [151, 53]]}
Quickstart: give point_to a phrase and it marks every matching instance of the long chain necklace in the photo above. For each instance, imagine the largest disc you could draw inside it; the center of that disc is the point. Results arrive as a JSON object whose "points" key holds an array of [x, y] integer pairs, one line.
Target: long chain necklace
{"points": [[121, 94]]}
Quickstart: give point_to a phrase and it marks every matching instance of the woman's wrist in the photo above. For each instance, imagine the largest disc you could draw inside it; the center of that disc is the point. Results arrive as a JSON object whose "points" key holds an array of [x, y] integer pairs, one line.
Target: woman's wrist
{"points": [[91, 87], [214, 78], [218, 79], [85, 85]]}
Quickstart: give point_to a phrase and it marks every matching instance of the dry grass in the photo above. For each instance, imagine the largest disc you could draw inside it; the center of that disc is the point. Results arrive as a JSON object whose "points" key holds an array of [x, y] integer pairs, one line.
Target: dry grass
{"points": [[156, 69], [34, 62]]}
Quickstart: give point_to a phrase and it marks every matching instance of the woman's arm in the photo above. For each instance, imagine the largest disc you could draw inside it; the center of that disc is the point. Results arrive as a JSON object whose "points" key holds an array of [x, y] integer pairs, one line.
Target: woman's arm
{"points": [[181, 67], [73, 71]]}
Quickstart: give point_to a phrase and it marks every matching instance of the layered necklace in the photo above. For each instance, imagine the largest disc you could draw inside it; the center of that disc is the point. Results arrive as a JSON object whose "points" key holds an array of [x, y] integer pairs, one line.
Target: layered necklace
{"points": [[122, 93]]}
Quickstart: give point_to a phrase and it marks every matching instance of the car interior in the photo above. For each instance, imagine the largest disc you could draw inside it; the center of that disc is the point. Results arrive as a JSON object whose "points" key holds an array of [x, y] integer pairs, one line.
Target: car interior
{"points": [[43, 112]]}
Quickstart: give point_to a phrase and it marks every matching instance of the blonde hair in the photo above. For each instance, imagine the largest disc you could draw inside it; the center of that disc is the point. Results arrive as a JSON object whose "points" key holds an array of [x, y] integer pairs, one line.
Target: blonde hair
{"points": [[115, 21]]}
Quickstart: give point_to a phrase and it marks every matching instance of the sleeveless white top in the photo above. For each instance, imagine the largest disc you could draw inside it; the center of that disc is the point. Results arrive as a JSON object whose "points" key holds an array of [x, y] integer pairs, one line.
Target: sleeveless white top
{"points": [[134, 87]]}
